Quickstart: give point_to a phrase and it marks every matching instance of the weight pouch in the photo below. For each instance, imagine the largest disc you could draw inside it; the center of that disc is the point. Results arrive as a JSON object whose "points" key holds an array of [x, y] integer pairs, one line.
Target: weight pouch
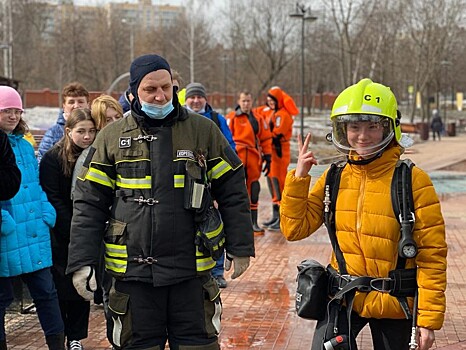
{"points": [[405, 282], [311, 291]]}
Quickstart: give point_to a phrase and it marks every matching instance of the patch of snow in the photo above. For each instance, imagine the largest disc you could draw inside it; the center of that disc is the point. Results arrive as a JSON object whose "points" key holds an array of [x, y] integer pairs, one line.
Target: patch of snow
{"points": [[41, 118]]}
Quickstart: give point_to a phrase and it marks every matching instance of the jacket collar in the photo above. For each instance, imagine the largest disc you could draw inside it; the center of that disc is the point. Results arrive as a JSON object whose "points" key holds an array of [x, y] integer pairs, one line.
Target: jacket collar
{"points": [[381, 165], [135, 120]]}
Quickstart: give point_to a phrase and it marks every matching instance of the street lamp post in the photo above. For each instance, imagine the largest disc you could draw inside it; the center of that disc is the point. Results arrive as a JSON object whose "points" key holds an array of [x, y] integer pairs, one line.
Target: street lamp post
{"points": [[446, 66], [131, 36], [304, 13], [225, 61], [7, 36]]}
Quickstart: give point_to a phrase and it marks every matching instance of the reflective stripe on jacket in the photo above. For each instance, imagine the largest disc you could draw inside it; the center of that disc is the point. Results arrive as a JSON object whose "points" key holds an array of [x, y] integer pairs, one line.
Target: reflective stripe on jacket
{"points": [[150, 236]]}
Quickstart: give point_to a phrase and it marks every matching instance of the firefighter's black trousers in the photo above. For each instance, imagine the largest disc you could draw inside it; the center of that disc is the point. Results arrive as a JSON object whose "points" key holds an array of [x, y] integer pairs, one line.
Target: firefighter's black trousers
{"points": [[186, 314]]}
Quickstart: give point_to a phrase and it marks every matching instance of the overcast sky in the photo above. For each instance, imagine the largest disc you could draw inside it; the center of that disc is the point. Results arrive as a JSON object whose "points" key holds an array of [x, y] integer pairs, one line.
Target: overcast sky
{"points": [[155, 2]]}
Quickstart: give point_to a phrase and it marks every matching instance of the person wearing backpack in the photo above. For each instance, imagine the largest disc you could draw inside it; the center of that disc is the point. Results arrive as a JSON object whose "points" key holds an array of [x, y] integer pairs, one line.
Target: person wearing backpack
{"points": [[366, 128]]}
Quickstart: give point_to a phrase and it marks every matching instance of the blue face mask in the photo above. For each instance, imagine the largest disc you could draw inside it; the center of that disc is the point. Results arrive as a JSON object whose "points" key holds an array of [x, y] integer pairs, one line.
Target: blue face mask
{"points": [[155, 111]]}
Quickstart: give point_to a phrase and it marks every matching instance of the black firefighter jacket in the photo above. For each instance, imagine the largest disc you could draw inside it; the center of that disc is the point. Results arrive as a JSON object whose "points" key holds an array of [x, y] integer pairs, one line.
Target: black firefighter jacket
{"points": [[131, 194]]}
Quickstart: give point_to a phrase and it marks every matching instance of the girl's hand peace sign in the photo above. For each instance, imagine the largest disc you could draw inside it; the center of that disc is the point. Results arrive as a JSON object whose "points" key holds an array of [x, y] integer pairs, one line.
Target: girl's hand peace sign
{"points": [[305, 158]]}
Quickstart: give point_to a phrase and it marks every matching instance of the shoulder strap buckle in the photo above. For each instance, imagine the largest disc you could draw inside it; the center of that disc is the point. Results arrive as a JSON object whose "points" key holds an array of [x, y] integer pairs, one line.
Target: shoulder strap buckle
{"points": [[383, 284]]}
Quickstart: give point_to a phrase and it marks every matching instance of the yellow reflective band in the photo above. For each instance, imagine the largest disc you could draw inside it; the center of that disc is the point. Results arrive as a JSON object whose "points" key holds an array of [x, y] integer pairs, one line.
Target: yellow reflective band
{"points": [[100, 177], [133, 161], [141, 183], [203, 264], [218, 170], [220, 244], [178, 181], [115, 250], [115, 265], [215, 233]]}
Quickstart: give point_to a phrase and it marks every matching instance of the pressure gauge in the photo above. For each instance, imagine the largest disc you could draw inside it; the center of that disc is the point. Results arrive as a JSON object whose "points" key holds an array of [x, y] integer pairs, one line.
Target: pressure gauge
{"points": [[409, 250]]}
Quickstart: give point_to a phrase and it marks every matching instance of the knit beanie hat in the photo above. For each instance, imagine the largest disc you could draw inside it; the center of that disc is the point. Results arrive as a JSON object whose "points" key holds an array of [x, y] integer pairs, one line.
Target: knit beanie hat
{"points": [[142, 66], [195, 89], [10, 98]]}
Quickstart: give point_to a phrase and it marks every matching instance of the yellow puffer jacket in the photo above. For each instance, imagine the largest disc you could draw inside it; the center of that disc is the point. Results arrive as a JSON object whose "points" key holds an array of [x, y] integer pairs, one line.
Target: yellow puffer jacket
{"points": [[368, 233]]}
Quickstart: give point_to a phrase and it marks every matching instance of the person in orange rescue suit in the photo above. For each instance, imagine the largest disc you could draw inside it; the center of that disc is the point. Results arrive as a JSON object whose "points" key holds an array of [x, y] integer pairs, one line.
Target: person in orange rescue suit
{"points": [[254, 146], [283, 108], [145, 175], [366, 128]]}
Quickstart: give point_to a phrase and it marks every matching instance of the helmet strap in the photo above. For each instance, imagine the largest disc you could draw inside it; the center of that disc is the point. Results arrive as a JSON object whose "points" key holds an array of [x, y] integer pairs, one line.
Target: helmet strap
{"points": [[365, 161]]}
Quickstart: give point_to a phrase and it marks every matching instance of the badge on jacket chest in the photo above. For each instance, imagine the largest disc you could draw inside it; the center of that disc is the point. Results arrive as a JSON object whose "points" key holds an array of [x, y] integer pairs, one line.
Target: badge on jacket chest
{"points": [[124, 142]]}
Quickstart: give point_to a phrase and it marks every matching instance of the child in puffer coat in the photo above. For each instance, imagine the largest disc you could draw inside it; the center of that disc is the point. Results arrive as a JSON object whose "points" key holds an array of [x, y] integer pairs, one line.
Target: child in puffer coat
{"points": [[25, 232]]}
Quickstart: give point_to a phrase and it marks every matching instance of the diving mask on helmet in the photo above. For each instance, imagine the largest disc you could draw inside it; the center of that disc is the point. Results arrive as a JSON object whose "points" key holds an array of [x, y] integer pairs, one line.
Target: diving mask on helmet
{"points": [[363, 135]]}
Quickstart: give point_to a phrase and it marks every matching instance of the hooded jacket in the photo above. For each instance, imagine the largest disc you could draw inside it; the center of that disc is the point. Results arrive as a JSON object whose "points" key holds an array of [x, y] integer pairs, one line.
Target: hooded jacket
{"points": [[368, 233], [27, 218], [222, 125], [281, 121], [52, 136]]}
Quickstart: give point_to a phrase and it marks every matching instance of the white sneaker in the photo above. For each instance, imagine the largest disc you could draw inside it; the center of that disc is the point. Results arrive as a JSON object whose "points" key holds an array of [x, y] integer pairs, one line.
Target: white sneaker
{"points": [[75, 345]]}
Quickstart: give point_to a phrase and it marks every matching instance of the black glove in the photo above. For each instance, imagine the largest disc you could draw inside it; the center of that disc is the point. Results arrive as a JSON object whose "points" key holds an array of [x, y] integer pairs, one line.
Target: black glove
{"points": [[267, 161], [277, 145]]}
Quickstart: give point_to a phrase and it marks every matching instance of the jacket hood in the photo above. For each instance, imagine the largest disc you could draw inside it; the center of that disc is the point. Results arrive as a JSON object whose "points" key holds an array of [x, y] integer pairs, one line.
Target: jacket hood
{"points": [[283, 100], [61, 118]]}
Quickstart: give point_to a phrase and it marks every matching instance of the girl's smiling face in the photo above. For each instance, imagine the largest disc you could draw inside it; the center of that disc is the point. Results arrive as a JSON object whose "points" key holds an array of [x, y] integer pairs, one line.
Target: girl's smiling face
{"points": [[83, 134], [364, 137]]}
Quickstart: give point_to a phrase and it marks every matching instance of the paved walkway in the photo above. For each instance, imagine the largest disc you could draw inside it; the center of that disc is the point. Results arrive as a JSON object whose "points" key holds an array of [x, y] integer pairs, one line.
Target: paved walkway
{"points": [[259, 306]]}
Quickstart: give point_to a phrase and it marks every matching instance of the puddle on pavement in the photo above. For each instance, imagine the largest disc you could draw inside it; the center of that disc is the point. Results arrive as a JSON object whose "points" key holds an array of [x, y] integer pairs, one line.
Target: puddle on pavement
{"points": [[275, 294], [449, 180]]}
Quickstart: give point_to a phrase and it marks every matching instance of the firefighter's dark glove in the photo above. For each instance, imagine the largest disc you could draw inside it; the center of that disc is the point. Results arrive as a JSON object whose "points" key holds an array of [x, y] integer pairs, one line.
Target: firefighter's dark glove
{"points": [[267, 161], [241, 264], [277, 145], [84, 282]]}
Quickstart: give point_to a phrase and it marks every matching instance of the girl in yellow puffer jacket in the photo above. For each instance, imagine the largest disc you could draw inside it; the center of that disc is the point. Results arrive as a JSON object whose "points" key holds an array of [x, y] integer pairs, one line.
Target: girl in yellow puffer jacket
{"points": [[366, 128]]}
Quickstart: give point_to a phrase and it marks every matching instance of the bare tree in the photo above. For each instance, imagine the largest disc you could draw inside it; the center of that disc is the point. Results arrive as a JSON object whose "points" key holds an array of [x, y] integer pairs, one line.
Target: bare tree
{"points": [[261, 37], [351, 19], [431, 24]]}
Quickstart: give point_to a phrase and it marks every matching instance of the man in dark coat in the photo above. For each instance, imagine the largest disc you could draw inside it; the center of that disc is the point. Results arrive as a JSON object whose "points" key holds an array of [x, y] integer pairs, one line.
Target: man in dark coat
{"points": [[9, 173]]}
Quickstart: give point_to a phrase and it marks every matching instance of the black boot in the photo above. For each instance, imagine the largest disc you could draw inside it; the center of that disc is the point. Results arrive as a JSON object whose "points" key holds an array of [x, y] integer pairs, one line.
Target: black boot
{"points": [[3, 345], [275, 226], [275, 215], [56, 341], [255, 226]]}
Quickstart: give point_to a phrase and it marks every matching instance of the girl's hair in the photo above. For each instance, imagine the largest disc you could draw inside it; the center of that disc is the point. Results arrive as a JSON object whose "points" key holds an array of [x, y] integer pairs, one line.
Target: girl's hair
{"points": [[99, 109], [22, 128], [68, 150]]}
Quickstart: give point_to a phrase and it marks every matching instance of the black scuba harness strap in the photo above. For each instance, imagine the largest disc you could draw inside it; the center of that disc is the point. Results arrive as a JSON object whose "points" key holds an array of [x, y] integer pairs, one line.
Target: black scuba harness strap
{"points": [[215, 119], [403, 207]]}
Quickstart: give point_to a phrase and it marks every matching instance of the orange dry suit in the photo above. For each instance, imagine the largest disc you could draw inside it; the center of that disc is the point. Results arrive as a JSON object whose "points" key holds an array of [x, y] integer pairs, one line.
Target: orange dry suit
{"points": [[254, 146], [281, 126]]}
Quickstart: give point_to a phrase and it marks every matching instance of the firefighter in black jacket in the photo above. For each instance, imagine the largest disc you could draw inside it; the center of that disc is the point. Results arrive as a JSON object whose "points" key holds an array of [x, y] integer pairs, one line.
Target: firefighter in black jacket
{"points": [[141, 190]]}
